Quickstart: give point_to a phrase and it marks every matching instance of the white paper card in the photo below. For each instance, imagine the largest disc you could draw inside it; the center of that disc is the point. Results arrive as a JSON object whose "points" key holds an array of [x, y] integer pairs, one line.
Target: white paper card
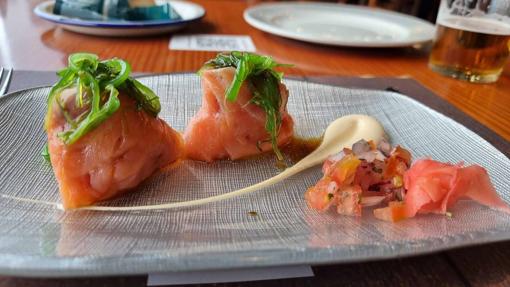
{"points": [[205, 42], [231, 275]]}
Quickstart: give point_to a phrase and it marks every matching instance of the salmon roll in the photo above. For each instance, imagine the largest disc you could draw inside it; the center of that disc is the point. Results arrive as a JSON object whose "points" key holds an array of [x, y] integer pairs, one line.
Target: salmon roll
{"points": [[104, 136], [243, 112]]}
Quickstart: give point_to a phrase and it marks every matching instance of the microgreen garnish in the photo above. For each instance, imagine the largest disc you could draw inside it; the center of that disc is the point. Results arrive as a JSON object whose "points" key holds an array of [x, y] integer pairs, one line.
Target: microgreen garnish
{"points": [[263, 81], [45, 153], [97, 86]]}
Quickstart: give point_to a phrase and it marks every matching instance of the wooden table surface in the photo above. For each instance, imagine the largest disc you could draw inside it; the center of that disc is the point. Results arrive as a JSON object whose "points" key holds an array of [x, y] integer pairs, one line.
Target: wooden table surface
{"points": [[29, 43]]}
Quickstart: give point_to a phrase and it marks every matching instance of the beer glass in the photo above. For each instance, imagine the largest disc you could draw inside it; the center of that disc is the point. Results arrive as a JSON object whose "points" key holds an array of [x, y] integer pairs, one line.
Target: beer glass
{"points": [[472, 39]]}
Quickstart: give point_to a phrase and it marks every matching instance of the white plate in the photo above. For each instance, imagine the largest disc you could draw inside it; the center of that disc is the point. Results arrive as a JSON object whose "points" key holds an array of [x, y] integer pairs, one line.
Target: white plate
{"points": [[189, 12], [340, 25]]}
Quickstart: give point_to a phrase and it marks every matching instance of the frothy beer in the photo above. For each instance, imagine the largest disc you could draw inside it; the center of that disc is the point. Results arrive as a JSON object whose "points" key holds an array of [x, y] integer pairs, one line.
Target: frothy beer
{"points": [[475, 49]]}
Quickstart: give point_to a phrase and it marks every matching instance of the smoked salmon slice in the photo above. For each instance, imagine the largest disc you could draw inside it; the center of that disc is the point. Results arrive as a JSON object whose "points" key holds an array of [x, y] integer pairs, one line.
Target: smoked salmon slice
{"points": [[224, 129], [115, 157], [104, 136]]}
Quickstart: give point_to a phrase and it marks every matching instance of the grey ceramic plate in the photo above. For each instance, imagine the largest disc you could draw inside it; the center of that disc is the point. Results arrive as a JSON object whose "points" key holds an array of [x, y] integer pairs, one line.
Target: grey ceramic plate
{"points": [[38, 240]]}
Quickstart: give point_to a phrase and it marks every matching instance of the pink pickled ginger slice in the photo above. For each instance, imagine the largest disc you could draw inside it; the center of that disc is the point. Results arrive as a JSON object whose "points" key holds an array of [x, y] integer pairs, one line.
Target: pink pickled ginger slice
{"points": [[433, 187]]}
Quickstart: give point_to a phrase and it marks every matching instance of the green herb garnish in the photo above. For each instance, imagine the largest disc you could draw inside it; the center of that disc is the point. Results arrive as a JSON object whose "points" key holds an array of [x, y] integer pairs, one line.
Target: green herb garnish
{"points": [[97, 86], [263, 81], [45, 153]]}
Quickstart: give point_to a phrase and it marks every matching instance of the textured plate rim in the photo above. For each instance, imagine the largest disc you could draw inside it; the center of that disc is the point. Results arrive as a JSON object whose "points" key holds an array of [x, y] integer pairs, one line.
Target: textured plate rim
{"points": [[169, 264]]}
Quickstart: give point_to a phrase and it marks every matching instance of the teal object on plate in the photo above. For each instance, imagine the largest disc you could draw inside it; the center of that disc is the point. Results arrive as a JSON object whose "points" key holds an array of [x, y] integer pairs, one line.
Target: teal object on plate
{"points": [[114, 10]]}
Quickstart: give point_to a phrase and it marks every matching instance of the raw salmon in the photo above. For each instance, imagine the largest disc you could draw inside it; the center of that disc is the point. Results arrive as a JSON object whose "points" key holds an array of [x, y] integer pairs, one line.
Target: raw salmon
{"points": [[395, 211], [112, 158], [365, 175], [231, 130]]}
